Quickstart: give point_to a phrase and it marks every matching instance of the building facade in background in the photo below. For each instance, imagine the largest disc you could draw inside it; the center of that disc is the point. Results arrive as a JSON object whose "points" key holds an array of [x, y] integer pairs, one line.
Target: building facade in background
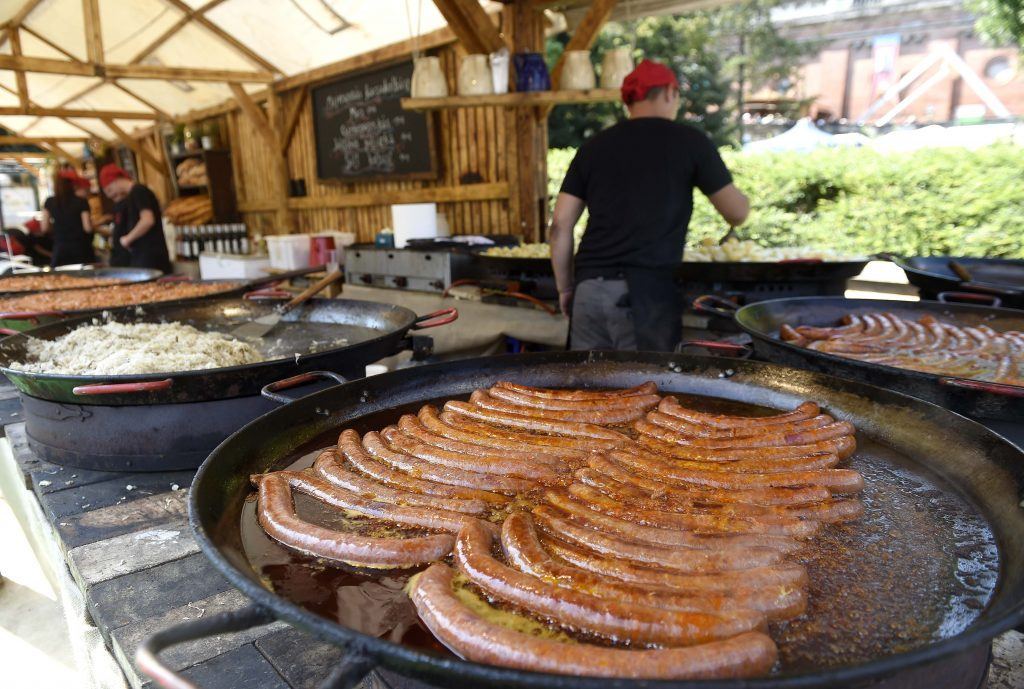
{"points": [[869, 45]]}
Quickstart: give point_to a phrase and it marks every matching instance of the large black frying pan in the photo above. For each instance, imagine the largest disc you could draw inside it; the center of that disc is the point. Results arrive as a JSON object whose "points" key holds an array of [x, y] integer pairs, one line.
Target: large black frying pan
{"points": [[26, 320], [983, 467], [125, 275], [999, 277], [977, 399], [341, 335]]}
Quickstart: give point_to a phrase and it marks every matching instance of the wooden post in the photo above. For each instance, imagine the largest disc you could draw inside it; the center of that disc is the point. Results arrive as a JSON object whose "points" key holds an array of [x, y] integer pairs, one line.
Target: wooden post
{"points": [[19, 77], [531, 133], [279, 155]]}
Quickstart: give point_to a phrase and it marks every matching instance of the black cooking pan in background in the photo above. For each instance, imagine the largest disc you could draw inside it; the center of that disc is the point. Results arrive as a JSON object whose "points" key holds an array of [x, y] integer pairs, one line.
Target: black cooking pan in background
{"points": [[977, 399], [126, 275], [933, 275], [983, 467], [341, 335]]}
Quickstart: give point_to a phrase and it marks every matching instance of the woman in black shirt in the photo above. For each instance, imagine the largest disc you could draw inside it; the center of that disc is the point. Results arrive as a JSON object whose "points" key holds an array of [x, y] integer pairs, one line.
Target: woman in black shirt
{"points": [[67, 216]]}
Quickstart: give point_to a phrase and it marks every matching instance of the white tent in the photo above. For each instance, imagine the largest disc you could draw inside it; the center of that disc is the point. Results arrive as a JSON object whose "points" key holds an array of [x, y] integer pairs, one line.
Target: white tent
{"points": [[802, 136], [130, 66]]}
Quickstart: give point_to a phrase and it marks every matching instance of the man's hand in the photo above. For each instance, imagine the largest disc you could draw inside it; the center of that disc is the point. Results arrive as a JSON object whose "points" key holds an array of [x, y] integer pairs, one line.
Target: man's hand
{"points": [[125, 243], [565, 302]]}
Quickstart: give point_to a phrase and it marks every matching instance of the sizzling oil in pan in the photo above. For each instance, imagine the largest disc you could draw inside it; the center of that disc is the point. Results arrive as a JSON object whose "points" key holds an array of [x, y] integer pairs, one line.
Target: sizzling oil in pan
{"points": [[920, 565]]}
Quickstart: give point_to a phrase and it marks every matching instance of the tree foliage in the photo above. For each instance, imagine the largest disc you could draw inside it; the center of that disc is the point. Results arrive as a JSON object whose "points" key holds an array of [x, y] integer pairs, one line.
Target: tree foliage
{"points": [[704, 50], [1000, 22], [945, 201]]}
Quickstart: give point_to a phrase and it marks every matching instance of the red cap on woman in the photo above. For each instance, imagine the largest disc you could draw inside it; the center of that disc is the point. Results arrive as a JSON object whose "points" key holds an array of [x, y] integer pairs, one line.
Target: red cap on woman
{"points": [[110, 172]]}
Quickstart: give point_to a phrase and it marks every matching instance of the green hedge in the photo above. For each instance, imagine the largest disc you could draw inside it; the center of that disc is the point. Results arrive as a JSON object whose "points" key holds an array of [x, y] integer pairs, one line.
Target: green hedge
{"points": [[929, 202]]}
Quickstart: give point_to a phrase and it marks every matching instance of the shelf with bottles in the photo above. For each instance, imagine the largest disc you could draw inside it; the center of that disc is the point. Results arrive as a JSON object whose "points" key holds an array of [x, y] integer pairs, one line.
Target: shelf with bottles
{"points": [[223, 238]]}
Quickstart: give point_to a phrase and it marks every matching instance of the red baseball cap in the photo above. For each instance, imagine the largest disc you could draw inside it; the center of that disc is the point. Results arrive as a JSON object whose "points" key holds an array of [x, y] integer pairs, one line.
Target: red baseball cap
{"points": [[110, 172], [68, 173], [647, 75], [82, 182]]}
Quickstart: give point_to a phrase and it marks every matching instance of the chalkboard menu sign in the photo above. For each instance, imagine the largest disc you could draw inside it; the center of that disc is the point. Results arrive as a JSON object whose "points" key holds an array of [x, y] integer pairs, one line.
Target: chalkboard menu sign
{"points": [[362, 132]]}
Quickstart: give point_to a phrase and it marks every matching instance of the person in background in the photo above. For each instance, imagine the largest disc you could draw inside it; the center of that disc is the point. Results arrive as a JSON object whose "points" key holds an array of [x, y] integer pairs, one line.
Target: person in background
{"points": [[40, 246], [637, 180], [66, 217], [138, 236]]}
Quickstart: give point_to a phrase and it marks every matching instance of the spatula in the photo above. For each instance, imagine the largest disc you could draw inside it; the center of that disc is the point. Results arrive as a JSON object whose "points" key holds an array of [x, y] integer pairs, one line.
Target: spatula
{"points": [[259, 327]]}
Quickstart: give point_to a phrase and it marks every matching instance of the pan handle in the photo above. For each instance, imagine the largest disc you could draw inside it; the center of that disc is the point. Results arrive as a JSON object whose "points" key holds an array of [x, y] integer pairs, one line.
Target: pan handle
{"points": [[971, 297], [147, 656], [32, 316], [715, 305], [116, 388], [1001, 389], [432, 320], [270, 391], [740, 351], [269, 293]]}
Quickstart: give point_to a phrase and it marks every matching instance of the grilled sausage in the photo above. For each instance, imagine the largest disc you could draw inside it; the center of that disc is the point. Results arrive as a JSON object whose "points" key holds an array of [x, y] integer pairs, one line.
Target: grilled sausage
{"points": [[429, 471], [806, 410], [331, 469], [836, 480], [801, 495], [689, 521], [648, 388], [427, 427], [480, 463], [351, 447], [827, 511], [675, 444], [777, 434], [675, 537], [593, 411], [644, 402], [733, 582], [524, 551], [685, 560], [532, 423], [476, 639], [434, 519], [276, 514], [544, 443], [666, 418], [582, 612]]}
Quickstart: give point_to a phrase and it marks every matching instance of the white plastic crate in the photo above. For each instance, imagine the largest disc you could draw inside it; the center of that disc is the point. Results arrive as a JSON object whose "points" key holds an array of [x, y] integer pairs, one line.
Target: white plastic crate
{"points": [[288, 251]]}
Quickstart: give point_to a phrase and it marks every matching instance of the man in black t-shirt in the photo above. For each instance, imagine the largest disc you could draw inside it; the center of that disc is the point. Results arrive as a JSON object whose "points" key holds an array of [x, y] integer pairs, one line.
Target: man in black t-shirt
{"points": [[138, 237], [636, 179]]}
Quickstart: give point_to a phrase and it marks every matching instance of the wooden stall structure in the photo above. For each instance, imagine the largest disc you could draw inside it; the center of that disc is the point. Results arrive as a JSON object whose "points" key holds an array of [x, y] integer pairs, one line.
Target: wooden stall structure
{"points": [[488, 173]]}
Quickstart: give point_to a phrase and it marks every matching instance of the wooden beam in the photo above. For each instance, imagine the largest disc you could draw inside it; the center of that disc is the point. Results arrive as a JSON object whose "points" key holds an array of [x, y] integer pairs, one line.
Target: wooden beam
{"points": [[50, 66], [56, 148], [47, 41], [584, 35], [292, 121], [131, 143], [518, 99], [378, 57], [472, 25], [14, 35], [40, 111], [93, 31], [463, 193], [246, 51], [161, 39], [23, 13], [255, 115], [162, 114], [40, 140]]}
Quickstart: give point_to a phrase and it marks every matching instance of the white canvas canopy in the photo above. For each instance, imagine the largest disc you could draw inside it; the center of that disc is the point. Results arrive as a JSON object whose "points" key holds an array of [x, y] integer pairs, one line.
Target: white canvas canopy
{"points": [[251, 41]]}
